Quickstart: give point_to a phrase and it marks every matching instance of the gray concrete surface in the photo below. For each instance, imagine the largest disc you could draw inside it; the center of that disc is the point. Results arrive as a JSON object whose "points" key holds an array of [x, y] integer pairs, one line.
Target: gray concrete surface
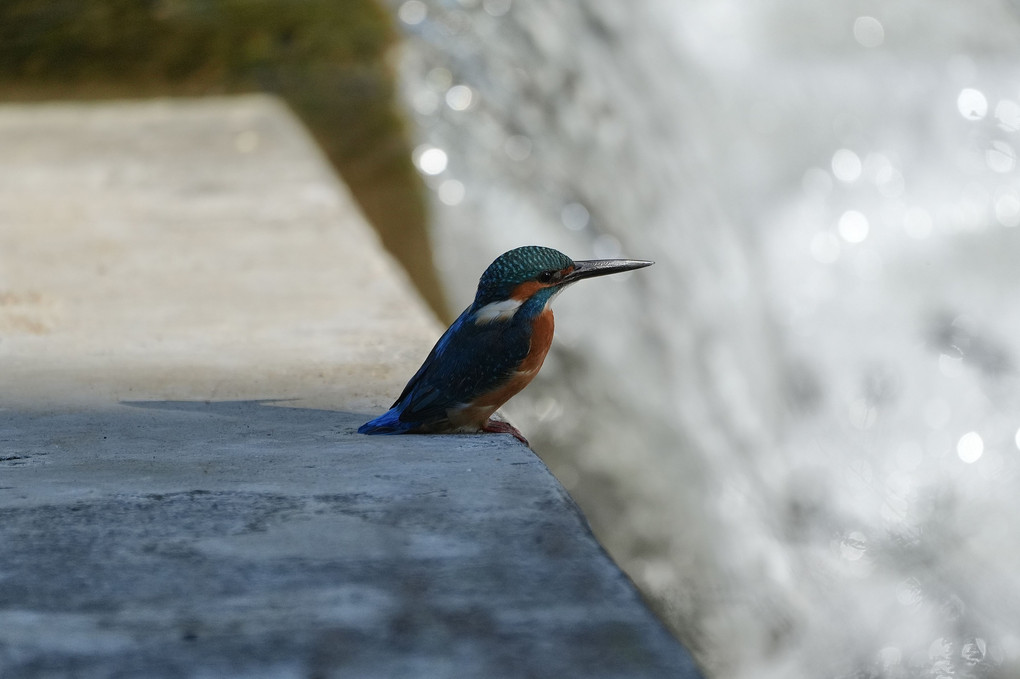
{"points": [[193, 322]]}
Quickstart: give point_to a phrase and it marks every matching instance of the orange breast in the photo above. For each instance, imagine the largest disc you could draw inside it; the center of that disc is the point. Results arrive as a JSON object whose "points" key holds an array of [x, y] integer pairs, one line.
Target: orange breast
{"points": [[477, 414]]}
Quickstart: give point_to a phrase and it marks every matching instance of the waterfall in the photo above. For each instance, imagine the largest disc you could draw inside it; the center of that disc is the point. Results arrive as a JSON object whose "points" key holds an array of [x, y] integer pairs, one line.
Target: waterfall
{"points": [[798, 432]]}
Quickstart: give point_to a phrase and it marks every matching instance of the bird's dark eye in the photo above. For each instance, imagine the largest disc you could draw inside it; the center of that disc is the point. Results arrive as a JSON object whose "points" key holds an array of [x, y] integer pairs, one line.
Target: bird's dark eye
{"points": [[547, 276]]}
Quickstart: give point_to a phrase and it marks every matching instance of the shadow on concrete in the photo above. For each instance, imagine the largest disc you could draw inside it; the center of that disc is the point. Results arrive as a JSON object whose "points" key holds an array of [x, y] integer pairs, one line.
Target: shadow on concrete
{"points": [[272, 410], [270, 407]]}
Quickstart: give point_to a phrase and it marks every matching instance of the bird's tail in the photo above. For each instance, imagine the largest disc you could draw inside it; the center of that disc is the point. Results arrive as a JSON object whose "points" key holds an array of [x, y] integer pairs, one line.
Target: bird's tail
{"points": [[387, 423]]}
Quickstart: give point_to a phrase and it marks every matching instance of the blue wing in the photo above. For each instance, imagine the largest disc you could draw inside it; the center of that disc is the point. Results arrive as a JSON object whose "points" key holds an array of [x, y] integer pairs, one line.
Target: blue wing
{"points": [[469, 360]]}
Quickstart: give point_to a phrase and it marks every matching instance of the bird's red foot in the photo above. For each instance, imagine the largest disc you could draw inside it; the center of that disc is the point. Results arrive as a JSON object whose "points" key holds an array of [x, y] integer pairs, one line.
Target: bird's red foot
{"points": [[501, 427]]}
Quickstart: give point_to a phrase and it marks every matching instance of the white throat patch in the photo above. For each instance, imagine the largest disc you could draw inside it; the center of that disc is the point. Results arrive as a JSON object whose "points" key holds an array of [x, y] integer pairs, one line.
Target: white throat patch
{"points": [[553, 296], [498, 311]]}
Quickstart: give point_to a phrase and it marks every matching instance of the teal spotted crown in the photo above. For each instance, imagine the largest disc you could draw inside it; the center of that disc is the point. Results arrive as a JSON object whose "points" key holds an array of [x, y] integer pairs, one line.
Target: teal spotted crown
{"points": [[514, 267]]}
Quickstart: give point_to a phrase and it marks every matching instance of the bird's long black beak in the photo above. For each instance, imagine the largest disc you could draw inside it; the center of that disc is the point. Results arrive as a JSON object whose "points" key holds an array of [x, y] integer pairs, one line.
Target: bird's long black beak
{"points": [[602, 267]]}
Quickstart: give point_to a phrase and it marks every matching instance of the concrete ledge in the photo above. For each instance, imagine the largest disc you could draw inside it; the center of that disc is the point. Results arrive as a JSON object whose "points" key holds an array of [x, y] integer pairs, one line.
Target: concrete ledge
{"points": [[250, 539], [187, 348]]}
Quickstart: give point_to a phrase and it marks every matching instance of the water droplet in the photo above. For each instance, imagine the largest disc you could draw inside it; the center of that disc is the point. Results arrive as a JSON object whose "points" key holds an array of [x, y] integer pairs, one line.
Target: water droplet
{"points": [[868, 31], [853, 226], [862, 414], [853, 546], [846, 165], [825, 248], [430, 160], [940, 648], [909, 592], [972, 104], [973, 652], [970, 447], [459, 97], [412, 12], [451, 192], [951, 365]]}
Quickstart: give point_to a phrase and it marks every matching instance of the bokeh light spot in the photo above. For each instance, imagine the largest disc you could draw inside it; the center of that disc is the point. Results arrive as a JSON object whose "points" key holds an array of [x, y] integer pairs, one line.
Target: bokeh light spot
{"points": [[430, 160], [824, 248], [1007, 112], [1007, 208], [575, 216], [412, 12], [451, 192], [868, 31], [972, 104], [440, 79], [459, 97], [517, 147], [853, 226], [970, 447], [846, 165], [1000, 157], [425, 102], [890, 182]]}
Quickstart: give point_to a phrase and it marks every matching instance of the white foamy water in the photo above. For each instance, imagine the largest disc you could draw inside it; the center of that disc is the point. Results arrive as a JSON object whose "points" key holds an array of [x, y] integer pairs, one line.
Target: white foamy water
{"points": [[799, 432]]}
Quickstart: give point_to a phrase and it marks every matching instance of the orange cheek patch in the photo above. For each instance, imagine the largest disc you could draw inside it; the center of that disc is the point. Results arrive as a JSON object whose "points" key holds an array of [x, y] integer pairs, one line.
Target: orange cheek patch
{"points": [[526, 289]]}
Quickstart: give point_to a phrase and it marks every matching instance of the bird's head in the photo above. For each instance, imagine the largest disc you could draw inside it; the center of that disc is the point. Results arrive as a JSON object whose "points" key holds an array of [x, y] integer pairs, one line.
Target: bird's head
{"points": [[533, 275]]}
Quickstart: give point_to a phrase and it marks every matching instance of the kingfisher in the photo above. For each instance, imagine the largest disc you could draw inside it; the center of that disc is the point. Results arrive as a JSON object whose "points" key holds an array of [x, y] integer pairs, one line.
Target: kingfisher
{"points": [[493, 349]]}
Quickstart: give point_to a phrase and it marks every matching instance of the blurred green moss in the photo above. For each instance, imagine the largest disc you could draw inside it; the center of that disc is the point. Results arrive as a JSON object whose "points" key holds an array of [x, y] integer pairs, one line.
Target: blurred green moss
{"points": [[327, 58]]}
